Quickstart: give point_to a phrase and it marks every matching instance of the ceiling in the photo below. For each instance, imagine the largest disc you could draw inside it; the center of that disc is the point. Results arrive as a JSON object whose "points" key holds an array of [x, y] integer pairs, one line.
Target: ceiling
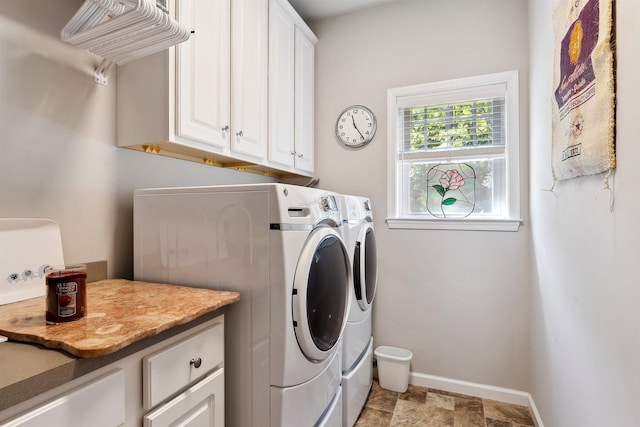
{"points": [[317, 9]]}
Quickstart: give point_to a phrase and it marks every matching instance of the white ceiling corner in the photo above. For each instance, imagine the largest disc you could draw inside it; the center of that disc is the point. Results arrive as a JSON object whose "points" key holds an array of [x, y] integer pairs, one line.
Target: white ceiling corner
{"points": [[318, 9]]}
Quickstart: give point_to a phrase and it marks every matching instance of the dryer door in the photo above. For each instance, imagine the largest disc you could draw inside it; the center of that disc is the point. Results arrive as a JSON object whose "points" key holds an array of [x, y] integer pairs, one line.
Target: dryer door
{"points": [[321, 293], [365, 267]]}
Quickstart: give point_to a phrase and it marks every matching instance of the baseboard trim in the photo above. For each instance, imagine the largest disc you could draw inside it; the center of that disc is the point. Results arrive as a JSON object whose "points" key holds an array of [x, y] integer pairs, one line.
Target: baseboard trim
{"points": [[534, 412], [484, 391]]}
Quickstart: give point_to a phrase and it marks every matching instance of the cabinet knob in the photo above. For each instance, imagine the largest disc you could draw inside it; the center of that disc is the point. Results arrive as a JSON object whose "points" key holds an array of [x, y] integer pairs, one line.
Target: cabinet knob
{"points": [[300, 156], [293, 153], [226, 128], [240, 133], [196, 362]]}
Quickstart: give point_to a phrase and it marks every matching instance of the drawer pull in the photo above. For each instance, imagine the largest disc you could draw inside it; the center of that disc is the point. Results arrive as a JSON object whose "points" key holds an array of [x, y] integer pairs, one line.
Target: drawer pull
{"points": [[196, 362]]}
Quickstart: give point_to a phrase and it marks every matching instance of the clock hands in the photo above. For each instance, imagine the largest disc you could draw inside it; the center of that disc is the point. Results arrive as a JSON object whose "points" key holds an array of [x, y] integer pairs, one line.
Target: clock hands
{"points": [[345, 133], [354, 125]]}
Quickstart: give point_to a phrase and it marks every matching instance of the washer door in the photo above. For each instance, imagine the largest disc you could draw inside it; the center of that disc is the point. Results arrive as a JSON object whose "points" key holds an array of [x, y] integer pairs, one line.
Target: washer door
{"points": [[365, 267], [321, 293]]}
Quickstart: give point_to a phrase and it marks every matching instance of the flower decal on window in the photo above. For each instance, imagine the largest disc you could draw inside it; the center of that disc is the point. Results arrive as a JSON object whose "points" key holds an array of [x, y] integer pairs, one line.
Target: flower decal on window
{"points": [[454, 195], [450, 180]]}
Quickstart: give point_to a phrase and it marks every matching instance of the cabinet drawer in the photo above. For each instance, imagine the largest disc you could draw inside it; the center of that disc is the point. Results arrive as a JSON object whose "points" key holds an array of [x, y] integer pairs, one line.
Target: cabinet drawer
{"points": [[200, 405], [170, 370]]}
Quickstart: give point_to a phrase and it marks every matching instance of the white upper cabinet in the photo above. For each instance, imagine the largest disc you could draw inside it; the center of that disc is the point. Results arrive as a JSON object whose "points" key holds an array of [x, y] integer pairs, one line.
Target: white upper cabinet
{"points": [[222, 74], [249, 59], [208, 99], [204, 98], [304, 110], [291, 82], [203, 72], [281, 85]]}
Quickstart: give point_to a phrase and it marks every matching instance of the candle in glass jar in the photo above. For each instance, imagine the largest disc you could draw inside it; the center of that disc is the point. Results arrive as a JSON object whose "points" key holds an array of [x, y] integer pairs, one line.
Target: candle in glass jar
{"points": [[66, 293]]}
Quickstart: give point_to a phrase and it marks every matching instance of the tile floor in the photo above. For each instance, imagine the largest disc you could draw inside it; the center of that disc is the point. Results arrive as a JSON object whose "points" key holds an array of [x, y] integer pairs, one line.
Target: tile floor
{"points": [[425, 407]]}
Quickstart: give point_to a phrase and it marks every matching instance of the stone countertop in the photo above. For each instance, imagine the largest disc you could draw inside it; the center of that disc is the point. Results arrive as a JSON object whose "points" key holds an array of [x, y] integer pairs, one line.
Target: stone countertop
{"points": [[119, 312], [27, 368]]}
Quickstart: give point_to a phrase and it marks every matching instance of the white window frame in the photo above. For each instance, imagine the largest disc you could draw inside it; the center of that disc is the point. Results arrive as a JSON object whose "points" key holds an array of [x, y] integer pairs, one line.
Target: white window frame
{"points": [[448, 89]]}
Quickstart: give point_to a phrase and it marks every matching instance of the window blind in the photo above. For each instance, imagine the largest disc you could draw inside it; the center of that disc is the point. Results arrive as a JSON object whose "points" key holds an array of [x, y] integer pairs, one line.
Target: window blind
{"points": [[453, 126]]}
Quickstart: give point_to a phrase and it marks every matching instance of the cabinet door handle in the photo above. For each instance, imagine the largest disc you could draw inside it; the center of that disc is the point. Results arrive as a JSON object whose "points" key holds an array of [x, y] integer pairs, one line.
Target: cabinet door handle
{"points": [[226, 128], [240, 133], [196, 362]]}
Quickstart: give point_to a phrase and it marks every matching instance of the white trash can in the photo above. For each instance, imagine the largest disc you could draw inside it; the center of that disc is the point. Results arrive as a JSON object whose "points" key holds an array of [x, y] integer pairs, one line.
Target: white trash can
{"points": [[393, 367]]}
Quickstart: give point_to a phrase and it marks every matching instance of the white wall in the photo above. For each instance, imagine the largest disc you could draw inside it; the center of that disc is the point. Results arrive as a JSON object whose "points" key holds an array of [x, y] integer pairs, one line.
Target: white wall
{"points": [[58, 155], [585, 346], [458, 300], [58, 159]]}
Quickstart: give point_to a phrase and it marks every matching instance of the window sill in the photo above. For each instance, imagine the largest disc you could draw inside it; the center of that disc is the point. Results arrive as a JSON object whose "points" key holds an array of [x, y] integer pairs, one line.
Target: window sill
{"points": [[462, 224]]}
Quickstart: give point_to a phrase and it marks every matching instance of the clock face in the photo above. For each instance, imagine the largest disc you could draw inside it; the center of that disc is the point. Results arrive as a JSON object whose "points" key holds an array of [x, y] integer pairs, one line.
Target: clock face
{"points": [[355, 126]]}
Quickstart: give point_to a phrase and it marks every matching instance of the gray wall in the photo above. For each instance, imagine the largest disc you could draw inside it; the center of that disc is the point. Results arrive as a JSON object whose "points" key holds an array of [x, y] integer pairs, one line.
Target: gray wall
{"points": [[58, 155], [459, 300], [585, 367], [58, 159]]}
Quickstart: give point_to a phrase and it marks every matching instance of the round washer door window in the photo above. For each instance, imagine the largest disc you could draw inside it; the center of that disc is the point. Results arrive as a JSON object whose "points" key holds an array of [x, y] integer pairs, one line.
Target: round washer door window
{"points": [[321, 293], [365, 267]]}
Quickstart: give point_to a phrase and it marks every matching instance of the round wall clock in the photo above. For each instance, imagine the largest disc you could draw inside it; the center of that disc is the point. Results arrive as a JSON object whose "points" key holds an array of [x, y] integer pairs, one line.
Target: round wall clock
{"points": [[356, 126]]}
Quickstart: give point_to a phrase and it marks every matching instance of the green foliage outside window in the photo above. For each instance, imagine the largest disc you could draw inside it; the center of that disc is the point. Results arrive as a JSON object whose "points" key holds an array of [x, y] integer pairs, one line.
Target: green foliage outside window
{"points": [[450, 125], [453, 126]]}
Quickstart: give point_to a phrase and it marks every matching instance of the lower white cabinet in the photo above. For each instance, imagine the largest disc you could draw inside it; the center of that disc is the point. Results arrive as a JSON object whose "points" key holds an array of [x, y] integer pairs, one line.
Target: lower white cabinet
{"points": [[201, 405], [168, 371], [177, 382], [100, 403], [172, 369]]}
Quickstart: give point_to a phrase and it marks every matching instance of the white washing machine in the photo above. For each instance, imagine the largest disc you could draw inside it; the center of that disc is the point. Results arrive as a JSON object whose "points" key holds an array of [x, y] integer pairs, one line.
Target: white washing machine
{"points": [[280, 246], [357, 343]]}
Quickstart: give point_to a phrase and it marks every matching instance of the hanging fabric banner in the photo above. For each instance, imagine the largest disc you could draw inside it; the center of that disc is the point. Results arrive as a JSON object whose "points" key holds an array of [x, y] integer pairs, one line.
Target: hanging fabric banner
{"points": [[583, 81]]}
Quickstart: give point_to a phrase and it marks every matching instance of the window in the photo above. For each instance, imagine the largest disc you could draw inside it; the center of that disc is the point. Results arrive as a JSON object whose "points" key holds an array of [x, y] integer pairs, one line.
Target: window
{"points": [[453, 154]]}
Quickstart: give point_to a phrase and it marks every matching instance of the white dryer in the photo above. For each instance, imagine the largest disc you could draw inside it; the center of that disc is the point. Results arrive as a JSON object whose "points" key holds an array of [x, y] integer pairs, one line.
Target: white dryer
{"points": [[357, 344], [280, 246]]}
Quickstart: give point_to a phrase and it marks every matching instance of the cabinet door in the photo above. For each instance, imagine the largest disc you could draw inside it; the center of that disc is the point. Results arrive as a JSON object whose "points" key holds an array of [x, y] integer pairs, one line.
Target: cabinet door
{"points": [[100, 403], [199, 406], [281, 85], [304, 81], [249, 59], [202, 67]]}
